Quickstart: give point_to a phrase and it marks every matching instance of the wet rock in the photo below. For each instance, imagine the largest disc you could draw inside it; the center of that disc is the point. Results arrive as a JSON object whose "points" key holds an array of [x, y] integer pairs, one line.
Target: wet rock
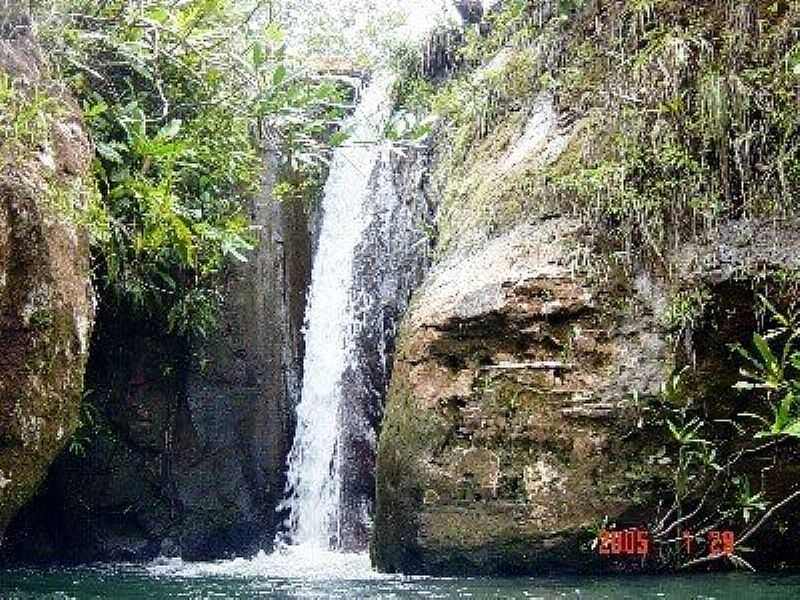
{"points": [[504, 463], [389, 264]]}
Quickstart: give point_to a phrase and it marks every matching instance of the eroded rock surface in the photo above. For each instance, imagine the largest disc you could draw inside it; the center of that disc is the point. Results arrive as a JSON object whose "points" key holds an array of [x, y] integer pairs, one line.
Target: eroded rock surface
{"points": [[514, 425], [503, 440]]}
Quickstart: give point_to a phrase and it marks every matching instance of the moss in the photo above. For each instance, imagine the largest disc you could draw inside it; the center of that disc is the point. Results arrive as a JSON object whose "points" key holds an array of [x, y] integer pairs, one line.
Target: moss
{"points": [[29, 112], [476, 198], [669, 138], [41, 319], [46, 411]]}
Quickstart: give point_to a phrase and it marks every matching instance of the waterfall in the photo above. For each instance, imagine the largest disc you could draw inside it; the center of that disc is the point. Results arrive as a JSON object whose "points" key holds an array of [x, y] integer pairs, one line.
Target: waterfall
{"points": [[313, 496]]}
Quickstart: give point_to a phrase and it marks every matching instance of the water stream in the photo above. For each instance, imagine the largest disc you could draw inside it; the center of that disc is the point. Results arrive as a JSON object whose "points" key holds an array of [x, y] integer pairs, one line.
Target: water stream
{"points": [[208, 581], [314, 478]]}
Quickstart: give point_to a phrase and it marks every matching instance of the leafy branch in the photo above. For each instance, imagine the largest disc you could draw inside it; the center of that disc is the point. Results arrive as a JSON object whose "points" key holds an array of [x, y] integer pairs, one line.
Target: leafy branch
{"points": [[705, 468], [173, 94]]}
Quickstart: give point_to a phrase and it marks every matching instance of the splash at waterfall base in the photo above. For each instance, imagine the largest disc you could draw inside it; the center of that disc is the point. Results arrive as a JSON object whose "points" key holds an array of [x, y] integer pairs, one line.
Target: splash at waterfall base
{"points": [[302, 562]]}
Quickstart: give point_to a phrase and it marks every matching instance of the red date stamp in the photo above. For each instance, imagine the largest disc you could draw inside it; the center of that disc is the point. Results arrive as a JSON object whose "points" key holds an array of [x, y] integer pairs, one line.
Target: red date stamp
{"points": [[635, 541], [718, 542]]}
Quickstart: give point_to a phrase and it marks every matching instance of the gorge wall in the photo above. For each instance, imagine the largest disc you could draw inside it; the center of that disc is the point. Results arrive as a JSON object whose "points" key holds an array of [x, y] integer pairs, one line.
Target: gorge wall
{"points": [[185, 453], [609, 189], [570, 285]]}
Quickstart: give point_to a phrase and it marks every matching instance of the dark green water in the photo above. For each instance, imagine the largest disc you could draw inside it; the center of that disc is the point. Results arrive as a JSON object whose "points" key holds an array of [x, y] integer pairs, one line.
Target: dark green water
{"points": [[140, 582]]}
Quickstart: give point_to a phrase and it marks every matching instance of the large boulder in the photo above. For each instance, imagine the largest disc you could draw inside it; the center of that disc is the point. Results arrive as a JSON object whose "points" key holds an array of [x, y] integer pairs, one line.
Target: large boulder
{"points": [[46, 298], [503, 440]]}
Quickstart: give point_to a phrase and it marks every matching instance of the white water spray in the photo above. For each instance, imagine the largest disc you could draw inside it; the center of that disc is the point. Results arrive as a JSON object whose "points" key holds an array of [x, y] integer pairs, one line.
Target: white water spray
{"points": [[314, 477]]}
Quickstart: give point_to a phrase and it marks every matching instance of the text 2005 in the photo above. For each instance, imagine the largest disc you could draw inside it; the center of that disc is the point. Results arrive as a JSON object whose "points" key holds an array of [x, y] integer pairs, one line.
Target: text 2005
{"points": [[630, 542]]}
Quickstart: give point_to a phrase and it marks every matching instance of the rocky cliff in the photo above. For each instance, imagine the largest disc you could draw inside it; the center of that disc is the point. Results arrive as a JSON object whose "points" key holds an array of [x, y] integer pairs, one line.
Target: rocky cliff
{"points": [[46, 298], [580, 265], [503, 439]]}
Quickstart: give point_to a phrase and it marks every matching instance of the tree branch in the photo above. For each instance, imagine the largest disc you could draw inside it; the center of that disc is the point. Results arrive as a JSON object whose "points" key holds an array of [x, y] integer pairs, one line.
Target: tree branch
{"points": [[767, 516]]}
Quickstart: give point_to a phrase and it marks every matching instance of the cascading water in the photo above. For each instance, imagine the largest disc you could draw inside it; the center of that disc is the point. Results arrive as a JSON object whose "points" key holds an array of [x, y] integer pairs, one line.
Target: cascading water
{"points": [[368, 259], [314, 478]]}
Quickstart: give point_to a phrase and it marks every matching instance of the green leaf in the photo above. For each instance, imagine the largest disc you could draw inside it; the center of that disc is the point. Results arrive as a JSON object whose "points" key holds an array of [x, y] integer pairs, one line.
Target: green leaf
{"points": [[674, 431], [793, 429], [259, 55], [274, 34], [108, 152], [95, 110], [159, 14], [167, 279], [339, 138], [120, 175], [764, 350], [774, 311], [783, 414], [741, 351], [279, 75], [171, 130]]}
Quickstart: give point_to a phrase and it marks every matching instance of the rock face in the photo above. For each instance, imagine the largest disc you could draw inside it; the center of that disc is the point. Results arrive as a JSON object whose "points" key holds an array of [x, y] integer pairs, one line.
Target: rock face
{"points": [[502, 444], [513, 428], [189, 448], [46, 298], [389, 264]]}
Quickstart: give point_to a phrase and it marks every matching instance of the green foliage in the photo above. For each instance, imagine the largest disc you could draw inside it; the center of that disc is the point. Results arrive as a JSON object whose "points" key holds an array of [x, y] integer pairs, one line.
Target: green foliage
{"points": [[686, 309], [747, 501], [513, 26], [775, 375], [684, 115], [26, 118], [90, 425], [471, 102], [173, 94], [703, 125], [711, 481], [412, 95], [695, 452]]}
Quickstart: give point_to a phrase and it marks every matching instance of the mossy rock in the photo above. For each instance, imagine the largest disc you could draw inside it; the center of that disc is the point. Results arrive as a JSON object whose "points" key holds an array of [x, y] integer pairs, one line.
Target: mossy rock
{"points": [[46, 298]]}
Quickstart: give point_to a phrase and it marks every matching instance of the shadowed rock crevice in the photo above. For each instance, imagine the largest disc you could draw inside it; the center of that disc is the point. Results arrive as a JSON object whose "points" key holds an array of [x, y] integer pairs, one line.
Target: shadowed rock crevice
{"points": [[188, 448]]}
